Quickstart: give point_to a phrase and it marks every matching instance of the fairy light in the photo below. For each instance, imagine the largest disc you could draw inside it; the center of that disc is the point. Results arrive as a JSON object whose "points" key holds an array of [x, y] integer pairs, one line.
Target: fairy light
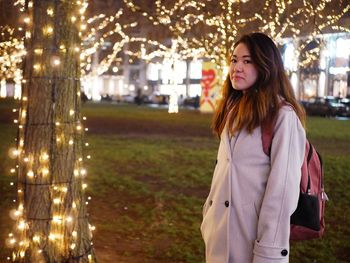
{"points": [[49, 11], [83, 172], [36, 239], [48, 30], [56, 61], [21, 225]]}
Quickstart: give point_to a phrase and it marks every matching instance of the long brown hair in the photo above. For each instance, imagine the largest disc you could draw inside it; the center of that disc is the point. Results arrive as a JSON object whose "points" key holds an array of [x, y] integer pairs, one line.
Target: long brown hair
{"points": [[260, 102]]}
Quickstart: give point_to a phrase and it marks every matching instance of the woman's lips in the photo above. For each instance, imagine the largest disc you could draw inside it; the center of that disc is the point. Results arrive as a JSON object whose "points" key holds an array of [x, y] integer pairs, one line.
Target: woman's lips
{"points": [[237, 77]]}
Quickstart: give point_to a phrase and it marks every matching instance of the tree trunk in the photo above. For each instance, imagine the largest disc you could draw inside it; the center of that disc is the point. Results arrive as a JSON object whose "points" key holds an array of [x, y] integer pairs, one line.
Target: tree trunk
{"points": [[52, 224]]}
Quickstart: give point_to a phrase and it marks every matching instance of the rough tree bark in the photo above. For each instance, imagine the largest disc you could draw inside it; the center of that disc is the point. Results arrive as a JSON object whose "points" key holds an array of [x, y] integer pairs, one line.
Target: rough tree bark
{"points": [[53, 225]]}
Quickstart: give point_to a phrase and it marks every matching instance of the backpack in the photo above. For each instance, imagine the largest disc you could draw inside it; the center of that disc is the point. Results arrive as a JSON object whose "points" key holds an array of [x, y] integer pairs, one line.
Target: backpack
{"points": [[307, 221]]}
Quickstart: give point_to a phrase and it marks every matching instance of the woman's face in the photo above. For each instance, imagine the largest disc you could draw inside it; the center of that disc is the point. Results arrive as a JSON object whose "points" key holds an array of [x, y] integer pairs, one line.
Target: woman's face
{"points": [[243, 72]]}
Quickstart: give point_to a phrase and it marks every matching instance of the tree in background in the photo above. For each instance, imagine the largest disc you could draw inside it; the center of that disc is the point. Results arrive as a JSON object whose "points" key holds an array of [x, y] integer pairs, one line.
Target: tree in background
{"points": [[52, 223]]}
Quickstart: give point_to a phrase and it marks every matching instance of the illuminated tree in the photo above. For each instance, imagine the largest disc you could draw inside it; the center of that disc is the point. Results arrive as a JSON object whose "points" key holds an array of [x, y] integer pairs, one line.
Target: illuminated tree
{"points": [[52, 223], [215, 25]]}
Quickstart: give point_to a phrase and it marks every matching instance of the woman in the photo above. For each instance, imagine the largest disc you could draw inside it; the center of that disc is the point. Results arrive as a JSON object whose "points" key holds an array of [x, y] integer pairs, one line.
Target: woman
{"points": [[246, 217]]}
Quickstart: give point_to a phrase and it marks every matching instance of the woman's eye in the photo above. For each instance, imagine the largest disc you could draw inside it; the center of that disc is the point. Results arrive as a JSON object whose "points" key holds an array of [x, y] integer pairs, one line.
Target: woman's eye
{"points": [[247, 61], [233, 60]]}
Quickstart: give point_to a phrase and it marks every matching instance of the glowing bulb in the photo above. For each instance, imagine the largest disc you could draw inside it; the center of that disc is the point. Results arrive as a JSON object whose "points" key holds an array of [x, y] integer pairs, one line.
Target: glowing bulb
{"points": [[72, 246], [48, 30], [56, 201], [21, 225], [49, 11], [36, 239], [79, 127], [70, 142], [45, 171], [56, 219], [71, 112], [83, 172], [26, 20], [74, 233], [44, 157], [37, 67], [73, 19], [56, 61], [84, 186], [69, 219], [30, 174], [12, 171]]}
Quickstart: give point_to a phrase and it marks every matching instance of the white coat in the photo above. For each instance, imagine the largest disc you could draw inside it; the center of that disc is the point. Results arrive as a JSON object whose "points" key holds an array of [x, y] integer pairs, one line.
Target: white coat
{"points": [[246, 217]]}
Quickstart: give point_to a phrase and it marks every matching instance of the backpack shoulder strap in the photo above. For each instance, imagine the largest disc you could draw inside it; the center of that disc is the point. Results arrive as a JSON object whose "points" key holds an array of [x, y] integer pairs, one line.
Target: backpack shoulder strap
{"points": [[267, 135], [267, 128]]}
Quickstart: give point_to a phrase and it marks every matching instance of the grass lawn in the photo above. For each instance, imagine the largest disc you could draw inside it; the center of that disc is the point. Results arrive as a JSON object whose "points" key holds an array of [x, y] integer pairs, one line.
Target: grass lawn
{"points": [[149, 175]]}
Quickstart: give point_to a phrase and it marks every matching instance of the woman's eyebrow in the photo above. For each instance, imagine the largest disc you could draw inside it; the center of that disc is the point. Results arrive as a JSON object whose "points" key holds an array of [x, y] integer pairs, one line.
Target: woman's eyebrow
{"points": [[244, 56]]}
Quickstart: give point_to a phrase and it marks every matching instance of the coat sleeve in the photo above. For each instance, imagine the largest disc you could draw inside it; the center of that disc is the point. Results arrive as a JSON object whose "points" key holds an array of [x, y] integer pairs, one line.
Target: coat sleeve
{"points": [[282, 189]]}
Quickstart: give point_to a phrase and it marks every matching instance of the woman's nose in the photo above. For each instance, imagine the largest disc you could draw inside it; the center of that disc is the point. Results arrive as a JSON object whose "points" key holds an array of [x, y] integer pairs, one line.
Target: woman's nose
{"points": [[238, 67]]}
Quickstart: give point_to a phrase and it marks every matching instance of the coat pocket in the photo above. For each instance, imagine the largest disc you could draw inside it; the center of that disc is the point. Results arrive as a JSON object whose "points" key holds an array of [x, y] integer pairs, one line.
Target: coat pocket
{"points": [[250, 220]]}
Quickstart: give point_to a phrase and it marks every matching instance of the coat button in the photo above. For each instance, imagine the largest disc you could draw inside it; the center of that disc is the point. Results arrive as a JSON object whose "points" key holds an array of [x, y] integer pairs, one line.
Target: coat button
{"points": [[284, 252], [210, 202], [227, 203]]}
